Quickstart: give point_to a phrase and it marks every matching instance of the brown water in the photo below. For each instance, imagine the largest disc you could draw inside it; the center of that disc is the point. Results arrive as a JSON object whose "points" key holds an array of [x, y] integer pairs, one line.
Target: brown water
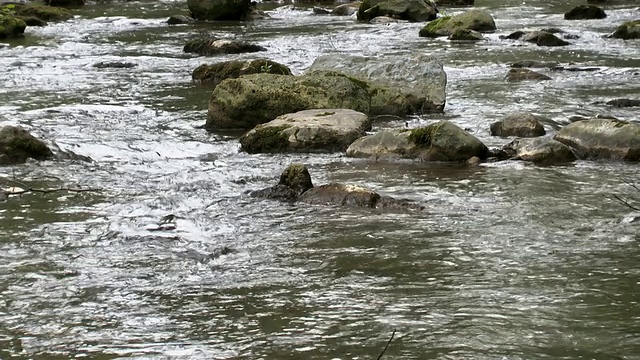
{"points": [[509, 261]]}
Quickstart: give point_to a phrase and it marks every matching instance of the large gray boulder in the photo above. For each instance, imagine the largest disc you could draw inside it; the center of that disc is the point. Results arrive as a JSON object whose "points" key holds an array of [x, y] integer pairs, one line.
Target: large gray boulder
{"points": [[411, 10], [478, 20], [520, 124], [607, 139], [442, 141], [214, 74], [318, 130], [219, 9], [628, 30], [541, 151], [254, 99], [17, 145], [419, 76]]}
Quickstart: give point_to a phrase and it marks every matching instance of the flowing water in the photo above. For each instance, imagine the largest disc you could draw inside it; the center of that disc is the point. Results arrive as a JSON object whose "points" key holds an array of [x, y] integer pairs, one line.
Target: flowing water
{"points": [[508, 261]]}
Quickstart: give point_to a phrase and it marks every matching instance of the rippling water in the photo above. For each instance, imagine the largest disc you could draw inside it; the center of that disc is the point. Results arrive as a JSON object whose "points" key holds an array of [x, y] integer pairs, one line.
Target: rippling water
{"points": [[509, 260]]}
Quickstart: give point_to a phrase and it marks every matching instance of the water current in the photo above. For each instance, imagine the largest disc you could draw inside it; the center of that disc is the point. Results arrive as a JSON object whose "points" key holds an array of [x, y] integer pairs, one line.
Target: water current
{"points": [[508, 261]]}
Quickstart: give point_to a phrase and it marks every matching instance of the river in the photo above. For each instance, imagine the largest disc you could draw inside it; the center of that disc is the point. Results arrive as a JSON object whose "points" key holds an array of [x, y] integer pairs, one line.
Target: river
{"points": [[508, 260]]}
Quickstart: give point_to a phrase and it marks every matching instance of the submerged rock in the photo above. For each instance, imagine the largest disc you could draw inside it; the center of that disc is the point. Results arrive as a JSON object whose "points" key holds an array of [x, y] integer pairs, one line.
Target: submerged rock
{"points": [[442, 141], [585, 12], [295, 185], [180, 19], [624, 102], [455, 2], [520, 74], [318, 130], [254, 99], [628, 30], [220, 9], [411, 10], [541, 151], [11, 26], [478, 20], [65, 3], [114, 65], [535, 64], [17, 145], [418, 76], [214, 46], [215, 73], [518, 124], [606, 139]]}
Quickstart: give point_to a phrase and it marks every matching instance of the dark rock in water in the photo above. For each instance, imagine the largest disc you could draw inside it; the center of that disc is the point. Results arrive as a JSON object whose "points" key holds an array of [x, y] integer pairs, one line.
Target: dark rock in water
{"points": [[11, 26], [411, 10], [114, 65], [540, 38], [339, 194], [65, 3], [624, 102], [214, 46], [32, 21], [478, 20], [321, 11], [294, 181], [515, 75], [466, 35], [214, 74], [518, 124], [17, 145], [585, 12], [220, 9], [346, 9], [604, 139], [534, 64], [627, 31], [179, 19], [541, 151], [516, 35], [553, 30]]}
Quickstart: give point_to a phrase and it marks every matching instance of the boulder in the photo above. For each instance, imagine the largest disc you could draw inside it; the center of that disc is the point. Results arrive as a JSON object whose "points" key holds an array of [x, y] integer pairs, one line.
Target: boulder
{"points": [[520, 74], [466, 35], [624, 102], [411, 10], [628, 30], [541, 151], [214, 46], [294, 181], [11, 26], [540, 38], [455, 2], [214, 74], [43, 12], [320, 11], [317, 130], [346, 9], [442, 141], [254, 99], [478, 20], [219, 9], [585, 12], [417, 75], [17, 145], [518, 124], [180, 19], [607, 139]]}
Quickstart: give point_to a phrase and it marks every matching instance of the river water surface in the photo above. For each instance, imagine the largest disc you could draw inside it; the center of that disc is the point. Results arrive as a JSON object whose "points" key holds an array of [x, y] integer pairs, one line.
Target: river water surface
{"points": [[508, 261]]}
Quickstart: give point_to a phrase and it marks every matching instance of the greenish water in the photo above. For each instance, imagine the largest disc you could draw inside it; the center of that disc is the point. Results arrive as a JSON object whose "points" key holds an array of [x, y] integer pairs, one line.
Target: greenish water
{"points": [[509, 260]]}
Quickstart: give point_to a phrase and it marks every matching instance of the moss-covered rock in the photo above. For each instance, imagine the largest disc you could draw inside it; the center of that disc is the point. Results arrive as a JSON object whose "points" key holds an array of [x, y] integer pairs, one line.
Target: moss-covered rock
{"points": [[43, 12], [214, 46], [411, 10], [478, 20], [214, 74], [606, 139], [11, 26], [32, 21], [220, 9], [628, 30], [254, 99], [17, 145]]}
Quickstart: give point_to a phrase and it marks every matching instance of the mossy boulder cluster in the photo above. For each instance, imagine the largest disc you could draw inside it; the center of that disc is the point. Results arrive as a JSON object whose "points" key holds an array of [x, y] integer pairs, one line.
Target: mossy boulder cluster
{"points": [[411, 10], [518, 124], [214, 74], [17, 145], [478, 20]]}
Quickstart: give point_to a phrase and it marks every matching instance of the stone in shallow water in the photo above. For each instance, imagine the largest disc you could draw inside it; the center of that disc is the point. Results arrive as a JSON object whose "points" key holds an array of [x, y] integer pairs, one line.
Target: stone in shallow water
{"points": [[17, 145], [518, 124], [605, 139], [515, 75]]}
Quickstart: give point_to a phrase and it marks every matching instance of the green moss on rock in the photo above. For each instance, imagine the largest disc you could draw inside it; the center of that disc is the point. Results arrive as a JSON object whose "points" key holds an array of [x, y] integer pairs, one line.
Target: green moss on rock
{"points": [[11, 26], [433, 27], [214, 74], [265, 139], [628, 30], [43, 12]]}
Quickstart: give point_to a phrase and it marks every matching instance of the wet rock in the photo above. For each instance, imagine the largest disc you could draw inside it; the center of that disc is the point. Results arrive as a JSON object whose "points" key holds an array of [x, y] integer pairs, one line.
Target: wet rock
{"points": [[220, 9], [214, 74], [321, 11], [341, 195], [515, 75], [43, 12], [254, 99], [17, 145], [385, 20], [114, 65], [346, 9], [317, 130], [214, 46], [541, 151], [534, 64], [65, 3], [466, 35], [442, 141], [518, 124], [585, 12], [427, 83], [411, 10], [628, 30], [478, 20], [294, 181], [624, 102], [455, 2], [11, 26], [606, 139], [540, 38], [179, 19]]}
